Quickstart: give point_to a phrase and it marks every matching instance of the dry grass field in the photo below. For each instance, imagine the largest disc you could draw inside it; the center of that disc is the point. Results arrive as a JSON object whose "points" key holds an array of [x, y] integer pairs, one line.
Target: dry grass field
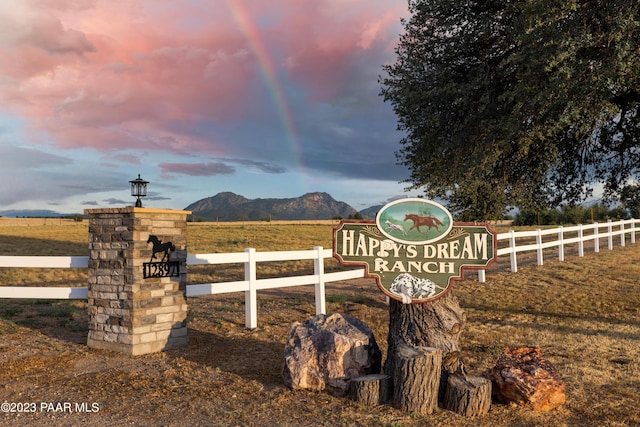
{"points": [[583, 313]]}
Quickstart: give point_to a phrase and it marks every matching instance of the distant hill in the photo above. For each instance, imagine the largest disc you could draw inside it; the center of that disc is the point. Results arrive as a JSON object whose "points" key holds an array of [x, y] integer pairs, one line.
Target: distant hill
{"points": [[229, 206], [35, 213], [370, 213]]}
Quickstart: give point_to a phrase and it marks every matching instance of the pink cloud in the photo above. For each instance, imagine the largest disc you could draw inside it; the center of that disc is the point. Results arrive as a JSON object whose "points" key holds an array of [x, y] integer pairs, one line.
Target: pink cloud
{"points": [[328, 57], [116, 75]]}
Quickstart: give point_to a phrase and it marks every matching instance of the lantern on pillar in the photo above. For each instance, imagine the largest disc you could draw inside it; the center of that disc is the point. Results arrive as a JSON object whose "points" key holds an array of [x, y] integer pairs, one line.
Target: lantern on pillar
{"points": [[139, 189]]}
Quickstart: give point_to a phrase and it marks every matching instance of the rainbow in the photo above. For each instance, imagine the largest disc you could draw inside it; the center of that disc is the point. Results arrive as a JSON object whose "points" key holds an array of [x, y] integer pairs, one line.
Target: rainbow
{"points": [[251, 32]]}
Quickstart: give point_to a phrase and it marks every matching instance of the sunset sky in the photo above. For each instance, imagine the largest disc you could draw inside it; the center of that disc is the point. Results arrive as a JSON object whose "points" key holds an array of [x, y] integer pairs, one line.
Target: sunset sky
{"points": [[263, 98]]}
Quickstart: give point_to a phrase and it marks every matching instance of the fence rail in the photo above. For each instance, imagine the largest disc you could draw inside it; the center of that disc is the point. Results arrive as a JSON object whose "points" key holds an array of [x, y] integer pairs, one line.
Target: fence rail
{"points": [[43, 262], [250, 285], [520, 241], [511, 243], [250, 258]]}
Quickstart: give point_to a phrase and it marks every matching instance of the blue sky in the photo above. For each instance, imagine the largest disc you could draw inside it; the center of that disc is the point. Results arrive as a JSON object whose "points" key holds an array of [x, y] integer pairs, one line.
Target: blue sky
{"points": [[267, 99]]}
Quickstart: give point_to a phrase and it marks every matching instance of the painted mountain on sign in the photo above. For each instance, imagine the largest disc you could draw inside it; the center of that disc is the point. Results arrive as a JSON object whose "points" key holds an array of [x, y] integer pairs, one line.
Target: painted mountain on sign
{"points": [[229, 206]]}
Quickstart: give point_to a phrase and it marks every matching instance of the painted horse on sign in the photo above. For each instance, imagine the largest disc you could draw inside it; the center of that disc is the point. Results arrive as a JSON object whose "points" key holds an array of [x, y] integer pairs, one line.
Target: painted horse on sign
{"points": [[427, 221]]}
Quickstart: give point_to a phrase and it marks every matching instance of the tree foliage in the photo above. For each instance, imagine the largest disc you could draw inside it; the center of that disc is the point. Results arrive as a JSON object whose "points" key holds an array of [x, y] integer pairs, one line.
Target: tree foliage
{"points": [[630, 199], [567, 214], [517, 103]]}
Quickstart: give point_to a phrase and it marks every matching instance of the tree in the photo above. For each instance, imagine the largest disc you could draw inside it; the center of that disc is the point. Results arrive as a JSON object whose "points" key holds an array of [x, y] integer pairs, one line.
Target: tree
{"points": [[569, 214], [630, 198], [518, 103]]}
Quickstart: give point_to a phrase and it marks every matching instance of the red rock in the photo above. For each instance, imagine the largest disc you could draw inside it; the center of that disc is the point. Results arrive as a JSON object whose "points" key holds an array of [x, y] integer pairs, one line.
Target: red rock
{"points": [[523, 376]]}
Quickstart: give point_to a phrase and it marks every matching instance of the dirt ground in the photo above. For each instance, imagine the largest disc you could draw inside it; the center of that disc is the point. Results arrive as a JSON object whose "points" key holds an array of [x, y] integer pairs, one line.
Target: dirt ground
{"points": [[232, 376]]}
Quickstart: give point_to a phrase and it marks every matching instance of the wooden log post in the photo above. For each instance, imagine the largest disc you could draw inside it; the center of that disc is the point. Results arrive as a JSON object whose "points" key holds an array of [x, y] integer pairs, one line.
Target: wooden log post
{"points": [[416, 378], [469, 396], [435, 324], [370, 390]]}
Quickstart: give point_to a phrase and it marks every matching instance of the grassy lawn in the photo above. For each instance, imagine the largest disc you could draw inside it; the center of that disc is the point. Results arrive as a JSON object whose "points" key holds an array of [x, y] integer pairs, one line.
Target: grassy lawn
{"points": [[584, 313]]}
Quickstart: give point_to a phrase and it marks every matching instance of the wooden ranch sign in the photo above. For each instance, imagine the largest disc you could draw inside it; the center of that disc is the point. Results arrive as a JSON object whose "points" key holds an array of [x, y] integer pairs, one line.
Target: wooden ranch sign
{"points": [[413, 249]]}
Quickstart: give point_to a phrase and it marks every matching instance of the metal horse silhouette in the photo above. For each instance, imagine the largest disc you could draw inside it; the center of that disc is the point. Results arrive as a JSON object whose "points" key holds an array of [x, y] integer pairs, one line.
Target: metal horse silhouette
{"points": [[427, 221], [159, 247]]}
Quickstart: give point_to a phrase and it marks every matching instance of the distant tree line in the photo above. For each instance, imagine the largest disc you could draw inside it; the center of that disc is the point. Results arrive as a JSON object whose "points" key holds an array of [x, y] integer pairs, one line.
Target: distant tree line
{"points": [[567, 214], [629, 207], [356, 215], [76, 217]]}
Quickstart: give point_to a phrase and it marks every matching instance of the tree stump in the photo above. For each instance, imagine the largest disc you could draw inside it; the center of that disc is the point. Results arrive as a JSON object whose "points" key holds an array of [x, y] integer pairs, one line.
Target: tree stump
{"points": [[468, 396], [416, 378], [370, 390], [434, 324]]}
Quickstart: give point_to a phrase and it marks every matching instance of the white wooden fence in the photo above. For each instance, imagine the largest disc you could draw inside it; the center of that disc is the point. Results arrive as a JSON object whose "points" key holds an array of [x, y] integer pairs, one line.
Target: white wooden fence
{"points": [[250, 285], [522, 241], [43, 262], [517, 241]]}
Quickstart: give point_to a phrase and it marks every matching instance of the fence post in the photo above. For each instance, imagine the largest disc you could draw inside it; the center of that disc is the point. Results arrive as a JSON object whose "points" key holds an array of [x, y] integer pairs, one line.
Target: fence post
{"points": [[512, 246], [250, 297], [561, 244], [539, 249], [596, 237], [633, 230], [610, 235], [482, 278], [580, 241], [622, 238], [318, 269]]}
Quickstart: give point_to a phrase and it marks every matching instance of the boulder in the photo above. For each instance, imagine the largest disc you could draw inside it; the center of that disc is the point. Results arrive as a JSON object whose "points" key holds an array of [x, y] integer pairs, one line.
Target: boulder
{"points": [[327, 352], [523, 376]]}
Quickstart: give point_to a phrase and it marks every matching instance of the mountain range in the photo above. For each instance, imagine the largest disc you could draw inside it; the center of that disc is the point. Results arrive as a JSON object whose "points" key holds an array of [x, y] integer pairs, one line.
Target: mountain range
{"points": [[229, 206]]}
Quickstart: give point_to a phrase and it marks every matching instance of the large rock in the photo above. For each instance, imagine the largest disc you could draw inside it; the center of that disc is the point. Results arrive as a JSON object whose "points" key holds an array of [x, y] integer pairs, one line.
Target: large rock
{"points": [[523, 376], [326, 352]]}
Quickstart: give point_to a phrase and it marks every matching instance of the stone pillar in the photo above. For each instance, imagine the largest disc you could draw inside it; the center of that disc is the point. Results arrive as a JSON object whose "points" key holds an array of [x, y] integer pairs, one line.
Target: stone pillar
{"points": [[130, 311]]}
